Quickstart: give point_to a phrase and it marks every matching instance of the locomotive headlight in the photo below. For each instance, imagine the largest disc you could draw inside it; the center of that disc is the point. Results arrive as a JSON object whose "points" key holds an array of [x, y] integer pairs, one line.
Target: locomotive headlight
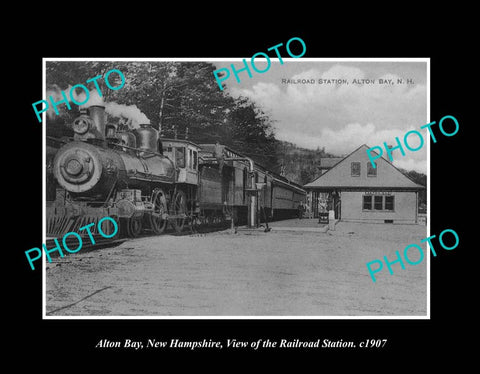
{"points": [[77, 167], [73, 167], [84, 168], [81, 125]]}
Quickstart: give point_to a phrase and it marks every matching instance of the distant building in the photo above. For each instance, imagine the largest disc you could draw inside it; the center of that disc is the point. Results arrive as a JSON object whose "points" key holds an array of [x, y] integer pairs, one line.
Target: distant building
{"points": [[326, 163], [358, 192]]}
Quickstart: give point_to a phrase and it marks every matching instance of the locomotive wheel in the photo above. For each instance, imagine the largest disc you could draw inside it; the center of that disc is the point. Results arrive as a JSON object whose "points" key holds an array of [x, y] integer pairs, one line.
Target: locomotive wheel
{"points": [[179, 206], [157, 223], [134, 227]]}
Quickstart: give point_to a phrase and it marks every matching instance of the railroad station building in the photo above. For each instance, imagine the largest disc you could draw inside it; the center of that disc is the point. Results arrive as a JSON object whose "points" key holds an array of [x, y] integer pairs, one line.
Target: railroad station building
{"points": [[358, 192]]}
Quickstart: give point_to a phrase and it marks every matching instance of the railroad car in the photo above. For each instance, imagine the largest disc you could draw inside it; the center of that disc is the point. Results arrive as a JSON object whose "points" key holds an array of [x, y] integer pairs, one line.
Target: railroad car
{"points": [[227, 178]]}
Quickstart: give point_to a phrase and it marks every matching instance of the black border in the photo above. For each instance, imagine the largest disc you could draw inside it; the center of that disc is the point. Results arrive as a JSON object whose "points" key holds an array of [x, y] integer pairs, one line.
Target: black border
{"points": [[450, 316]]}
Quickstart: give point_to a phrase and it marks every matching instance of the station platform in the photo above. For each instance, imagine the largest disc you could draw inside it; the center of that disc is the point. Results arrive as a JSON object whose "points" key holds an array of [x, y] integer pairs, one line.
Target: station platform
{"points": [[304, 224]]}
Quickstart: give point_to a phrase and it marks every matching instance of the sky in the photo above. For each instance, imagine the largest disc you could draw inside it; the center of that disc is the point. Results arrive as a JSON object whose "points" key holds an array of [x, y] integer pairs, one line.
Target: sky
{"points": [[341, 117]]}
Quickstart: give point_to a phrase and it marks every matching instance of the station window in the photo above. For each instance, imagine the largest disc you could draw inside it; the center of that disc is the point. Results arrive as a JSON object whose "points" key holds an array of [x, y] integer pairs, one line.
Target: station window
{"points": [[371, 171], [180, 157], [355, 169], [389, 202], [378, 202], [367, 202]]}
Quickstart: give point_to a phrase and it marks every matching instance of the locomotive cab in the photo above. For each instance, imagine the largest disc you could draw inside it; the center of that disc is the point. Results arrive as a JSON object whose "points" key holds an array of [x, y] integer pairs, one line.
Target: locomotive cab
{"points": [[184, 155]]}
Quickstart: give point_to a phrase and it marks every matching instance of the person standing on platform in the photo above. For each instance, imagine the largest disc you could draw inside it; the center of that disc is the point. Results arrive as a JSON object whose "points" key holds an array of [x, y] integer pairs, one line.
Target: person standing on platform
{"points": [[300, 210]]}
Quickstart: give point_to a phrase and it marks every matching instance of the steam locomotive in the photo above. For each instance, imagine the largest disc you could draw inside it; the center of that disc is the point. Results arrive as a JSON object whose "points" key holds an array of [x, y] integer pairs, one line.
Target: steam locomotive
{"points": [[146, 182]]}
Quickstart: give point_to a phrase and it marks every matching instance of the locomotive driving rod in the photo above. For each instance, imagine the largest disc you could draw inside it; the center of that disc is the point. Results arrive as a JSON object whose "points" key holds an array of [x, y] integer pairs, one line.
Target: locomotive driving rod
{"points": [[252, 211]]}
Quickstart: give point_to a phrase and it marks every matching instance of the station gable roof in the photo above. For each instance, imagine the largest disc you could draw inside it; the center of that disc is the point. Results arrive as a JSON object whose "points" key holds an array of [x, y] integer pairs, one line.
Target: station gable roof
{"points": [[340, 175]]}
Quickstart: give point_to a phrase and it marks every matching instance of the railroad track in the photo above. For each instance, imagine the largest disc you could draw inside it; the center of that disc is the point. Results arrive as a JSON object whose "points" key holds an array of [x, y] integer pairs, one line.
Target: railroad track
{"points": [[102, 242]]}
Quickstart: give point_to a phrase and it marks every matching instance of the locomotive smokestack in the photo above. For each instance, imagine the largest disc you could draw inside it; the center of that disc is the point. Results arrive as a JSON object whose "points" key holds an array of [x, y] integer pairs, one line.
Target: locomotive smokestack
{"points": [[97, 113], [147, 139]]}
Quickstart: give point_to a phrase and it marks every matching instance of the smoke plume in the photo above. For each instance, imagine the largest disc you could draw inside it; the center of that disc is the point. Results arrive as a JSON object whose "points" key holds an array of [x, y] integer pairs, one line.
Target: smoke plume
{"points": [[131, 113]]}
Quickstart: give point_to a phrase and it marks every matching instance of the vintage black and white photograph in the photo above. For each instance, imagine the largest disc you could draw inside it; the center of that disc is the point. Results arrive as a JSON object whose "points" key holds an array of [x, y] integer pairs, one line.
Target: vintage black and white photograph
{"points": [[236, 188]]}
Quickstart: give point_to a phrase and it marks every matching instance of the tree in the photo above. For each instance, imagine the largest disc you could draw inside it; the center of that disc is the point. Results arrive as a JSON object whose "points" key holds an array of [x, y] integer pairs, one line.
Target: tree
{"points": [[193, 101], [168, 93], [305, 176], [179, 98], [252, 133]]}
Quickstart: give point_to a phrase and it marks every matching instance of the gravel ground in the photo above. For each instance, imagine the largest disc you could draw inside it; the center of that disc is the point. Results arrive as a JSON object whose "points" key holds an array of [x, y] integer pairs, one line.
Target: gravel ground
{"points": [[250, 273]]}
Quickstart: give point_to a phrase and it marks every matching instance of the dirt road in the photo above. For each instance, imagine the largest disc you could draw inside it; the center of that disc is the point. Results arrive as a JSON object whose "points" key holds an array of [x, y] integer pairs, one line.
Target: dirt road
{"points": [[280, 273]]}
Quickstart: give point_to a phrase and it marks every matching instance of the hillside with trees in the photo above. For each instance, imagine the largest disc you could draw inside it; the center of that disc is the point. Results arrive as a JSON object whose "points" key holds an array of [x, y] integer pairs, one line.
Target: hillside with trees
{"points": [[181, 99], [300, 164]]}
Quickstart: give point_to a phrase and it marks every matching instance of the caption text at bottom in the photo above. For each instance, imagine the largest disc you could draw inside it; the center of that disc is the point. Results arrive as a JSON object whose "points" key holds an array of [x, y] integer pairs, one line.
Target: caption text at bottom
{"points": [[240, 344]]}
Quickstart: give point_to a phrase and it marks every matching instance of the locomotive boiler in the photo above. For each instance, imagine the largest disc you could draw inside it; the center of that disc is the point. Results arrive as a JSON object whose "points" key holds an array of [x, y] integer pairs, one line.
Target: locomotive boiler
{"points": [[88, 169], [119, 173]]}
